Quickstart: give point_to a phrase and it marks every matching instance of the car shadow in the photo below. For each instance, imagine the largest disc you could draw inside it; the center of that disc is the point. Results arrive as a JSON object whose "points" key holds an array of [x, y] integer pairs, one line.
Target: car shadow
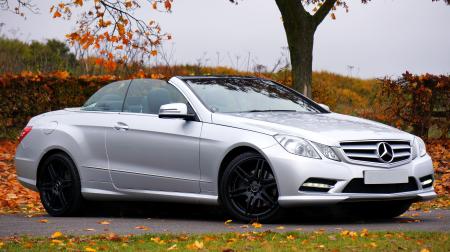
{"points": [[175, 211]]}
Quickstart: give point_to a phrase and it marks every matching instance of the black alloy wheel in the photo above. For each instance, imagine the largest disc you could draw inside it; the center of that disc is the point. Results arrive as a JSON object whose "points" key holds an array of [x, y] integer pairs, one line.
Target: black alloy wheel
{"points": [[59, 186], [248, 189]]}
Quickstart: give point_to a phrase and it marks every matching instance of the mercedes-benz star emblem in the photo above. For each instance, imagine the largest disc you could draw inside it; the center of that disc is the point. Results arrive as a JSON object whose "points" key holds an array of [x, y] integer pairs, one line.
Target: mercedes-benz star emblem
{"points": [[385, 152]]}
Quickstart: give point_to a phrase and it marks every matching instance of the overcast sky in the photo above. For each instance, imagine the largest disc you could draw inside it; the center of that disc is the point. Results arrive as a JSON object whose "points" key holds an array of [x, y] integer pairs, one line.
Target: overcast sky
{"points": [[385, 37]]}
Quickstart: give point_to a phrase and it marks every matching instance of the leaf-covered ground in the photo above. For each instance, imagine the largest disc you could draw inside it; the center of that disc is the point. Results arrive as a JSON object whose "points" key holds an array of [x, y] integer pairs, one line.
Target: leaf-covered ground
{"points": [[14, 198], [255, 241]]}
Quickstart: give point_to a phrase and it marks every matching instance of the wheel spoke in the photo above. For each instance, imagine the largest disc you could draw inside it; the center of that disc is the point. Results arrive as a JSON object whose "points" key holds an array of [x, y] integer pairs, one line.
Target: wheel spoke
{"points": [[52, 172], [259, 169], [62, 199], [266, 183], [265, 197], [242, 174], [250, 201], [46, 186], [242, 191], [66, 183]]}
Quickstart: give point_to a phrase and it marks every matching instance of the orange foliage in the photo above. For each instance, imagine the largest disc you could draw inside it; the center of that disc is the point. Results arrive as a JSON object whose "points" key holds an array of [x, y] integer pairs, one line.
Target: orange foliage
{"points": [[13, 196], [112, 27], [414, 102]]}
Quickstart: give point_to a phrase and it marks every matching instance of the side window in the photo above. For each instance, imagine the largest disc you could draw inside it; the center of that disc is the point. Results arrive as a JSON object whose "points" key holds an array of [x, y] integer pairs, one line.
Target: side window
{"points": [[147, 96], [109, 98]]}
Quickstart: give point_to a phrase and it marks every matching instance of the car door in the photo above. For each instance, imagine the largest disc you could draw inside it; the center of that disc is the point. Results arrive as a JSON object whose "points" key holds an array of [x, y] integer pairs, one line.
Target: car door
{"points": [[90, 123], [146, 152]]}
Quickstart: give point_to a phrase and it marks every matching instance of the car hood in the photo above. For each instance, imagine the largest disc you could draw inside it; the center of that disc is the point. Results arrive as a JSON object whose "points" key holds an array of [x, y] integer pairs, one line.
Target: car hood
{"points": [[326, 128]]}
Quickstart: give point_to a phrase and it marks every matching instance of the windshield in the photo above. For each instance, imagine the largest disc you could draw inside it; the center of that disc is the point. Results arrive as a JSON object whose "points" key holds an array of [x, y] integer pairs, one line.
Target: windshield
{"points": [[235, 95]]}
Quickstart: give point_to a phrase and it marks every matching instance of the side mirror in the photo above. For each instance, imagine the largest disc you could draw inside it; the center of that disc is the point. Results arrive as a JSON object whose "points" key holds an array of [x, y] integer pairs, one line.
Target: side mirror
{"points": [[325, 107], [175, 110]]}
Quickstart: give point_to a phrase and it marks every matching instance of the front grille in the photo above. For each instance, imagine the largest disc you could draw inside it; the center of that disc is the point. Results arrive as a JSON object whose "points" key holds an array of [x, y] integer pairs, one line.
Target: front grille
{"points": [[367, 151], [357, 186]]}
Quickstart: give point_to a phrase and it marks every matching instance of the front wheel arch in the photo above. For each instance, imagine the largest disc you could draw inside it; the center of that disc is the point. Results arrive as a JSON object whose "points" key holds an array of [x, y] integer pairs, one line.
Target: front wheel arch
{"points": [[233, 153]]}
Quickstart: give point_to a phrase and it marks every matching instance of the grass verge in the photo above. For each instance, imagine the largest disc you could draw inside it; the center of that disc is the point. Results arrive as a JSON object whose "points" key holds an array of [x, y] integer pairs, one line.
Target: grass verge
{"points": [[254, 241]]}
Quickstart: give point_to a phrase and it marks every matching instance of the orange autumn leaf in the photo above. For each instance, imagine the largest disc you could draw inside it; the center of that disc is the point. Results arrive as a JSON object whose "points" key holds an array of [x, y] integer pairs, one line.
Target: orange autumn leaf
{"points": [[168, 4], [57, 14], [56, 234]]}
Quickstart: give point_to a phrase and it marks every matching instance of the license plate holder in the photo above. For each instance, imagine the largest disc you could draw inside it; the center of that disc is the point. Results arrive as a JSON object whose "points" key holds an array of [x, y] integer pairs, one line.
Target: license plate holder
{"points": [[385, 177]]}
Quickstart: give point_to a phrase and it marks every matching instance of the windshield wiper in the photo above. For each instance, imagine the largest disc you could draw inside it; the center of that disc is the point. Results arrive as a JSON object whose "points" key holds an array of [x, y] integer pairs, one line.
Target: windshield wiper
{"points": [[269, 110]]}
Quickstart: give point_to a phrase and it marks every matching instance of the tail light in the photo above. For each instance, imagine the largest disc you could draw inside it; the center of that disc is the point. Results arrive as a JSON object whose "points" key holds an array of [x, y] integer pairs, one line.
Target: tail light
{"points": [[24, 133]]}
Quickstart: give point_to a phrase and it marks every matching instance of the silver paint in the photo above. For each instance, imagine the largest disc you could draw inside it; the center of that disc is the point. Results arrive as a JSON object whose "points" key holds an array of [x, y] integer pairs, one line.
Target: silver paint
{"points": [[128, 156]]}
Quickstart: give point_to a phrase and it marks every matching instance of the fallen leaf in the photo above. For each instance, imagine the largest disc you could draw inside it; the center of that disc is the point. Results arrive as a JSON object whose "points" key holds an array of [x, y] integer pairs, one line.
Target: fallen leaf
{"points": [[280, 228], [89, 249], [113, 237], [56, 234], [104, 222], [257, 225], [364, 232], [43, 221], [145, 228], [198, 245], [157, 240], [173, 247], [228, 222]]}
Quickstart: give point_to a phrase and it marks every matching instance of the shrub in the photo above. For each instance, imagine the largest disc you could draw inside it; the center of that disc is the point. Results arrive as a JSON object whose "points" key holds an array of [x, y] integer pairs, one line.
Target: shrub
{"points": [[27, 94], [417, 103]]}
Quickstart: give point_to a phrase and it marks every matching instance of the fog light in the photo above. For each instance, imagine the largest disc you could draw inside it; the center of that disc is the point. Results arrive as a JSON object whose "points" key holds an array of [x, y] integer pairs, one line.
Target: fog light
{"points": [[318, 185], [427, 182]]}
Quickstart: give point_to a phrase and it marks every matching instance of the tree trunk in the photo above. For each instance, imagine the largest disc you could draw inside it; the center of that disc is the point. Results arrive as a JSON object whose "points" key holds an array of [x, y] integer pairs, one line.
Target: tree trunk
{"points": [[301, 51], [300, 27]]}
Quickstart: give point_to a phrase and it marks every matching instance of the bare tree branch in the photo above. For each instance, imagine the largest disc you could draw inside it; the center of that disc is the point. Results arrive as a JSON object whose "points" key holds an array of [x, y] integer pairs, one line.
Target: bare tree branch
{"points": [[323, 11]]}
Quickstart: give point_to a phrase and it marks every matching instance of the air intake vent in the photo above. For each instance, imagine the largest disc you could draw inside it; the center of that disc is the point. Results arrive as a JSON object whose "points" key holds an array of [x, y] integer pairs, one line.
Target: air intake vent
{"points": [[357, 186], [381, 152]]}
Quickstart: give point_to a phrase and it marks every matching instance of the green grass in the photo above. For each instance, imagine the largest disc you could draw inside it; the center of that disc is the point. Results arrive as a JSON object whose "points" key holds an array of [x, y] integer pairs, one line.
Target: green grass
{"points": [[252, 241]]}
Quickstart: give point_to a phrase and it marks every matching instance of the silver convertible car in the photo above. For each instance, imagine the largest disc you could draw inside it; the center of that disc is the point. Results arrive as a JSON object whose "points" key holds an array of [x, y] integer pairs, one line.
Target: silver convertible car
{"points": [[249, 144]]}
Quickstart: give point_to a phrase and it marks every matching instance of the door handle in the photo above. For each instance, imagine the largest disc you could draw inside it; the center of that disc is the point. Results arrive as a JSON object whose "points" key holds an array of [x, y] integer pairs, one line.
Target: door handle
{"points": [[121, 126]]}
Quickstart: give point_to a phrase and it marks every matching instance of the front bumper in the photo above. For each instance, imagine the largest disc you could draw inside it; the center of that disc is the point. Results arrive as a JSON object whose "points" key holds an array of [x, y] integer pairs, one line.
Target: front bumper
{"points": [[291, 171], [329, 198]]}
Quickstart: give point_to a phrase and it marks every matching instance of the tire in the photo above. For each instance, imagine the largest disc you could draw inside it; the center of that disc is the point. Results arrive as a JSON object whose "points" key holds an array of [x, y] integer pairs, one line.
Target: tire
{"points": [[379, 210], [248, 189], [59, 186]]}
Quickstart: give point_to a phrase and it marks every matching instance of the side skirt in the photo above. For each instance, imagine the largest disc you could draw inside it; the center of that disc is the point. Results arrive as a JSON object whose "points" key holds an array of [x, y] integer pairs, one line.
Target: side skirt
{"points": [[146, 195]]}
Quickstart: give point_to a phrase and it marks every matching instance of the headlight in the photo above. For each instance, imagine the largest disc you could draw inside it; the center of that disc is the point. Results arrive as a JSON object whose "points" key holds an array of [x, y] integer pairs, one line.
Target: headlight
{"points": [[327, 151], [297, 146], [419, 147]]}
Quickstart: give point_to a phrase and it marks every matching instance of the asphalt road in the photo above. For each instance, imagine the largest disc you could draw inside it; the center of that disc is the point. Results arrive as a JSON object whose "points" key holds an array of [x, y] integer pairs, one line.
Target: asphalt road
{"points": [[182, 219]]}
